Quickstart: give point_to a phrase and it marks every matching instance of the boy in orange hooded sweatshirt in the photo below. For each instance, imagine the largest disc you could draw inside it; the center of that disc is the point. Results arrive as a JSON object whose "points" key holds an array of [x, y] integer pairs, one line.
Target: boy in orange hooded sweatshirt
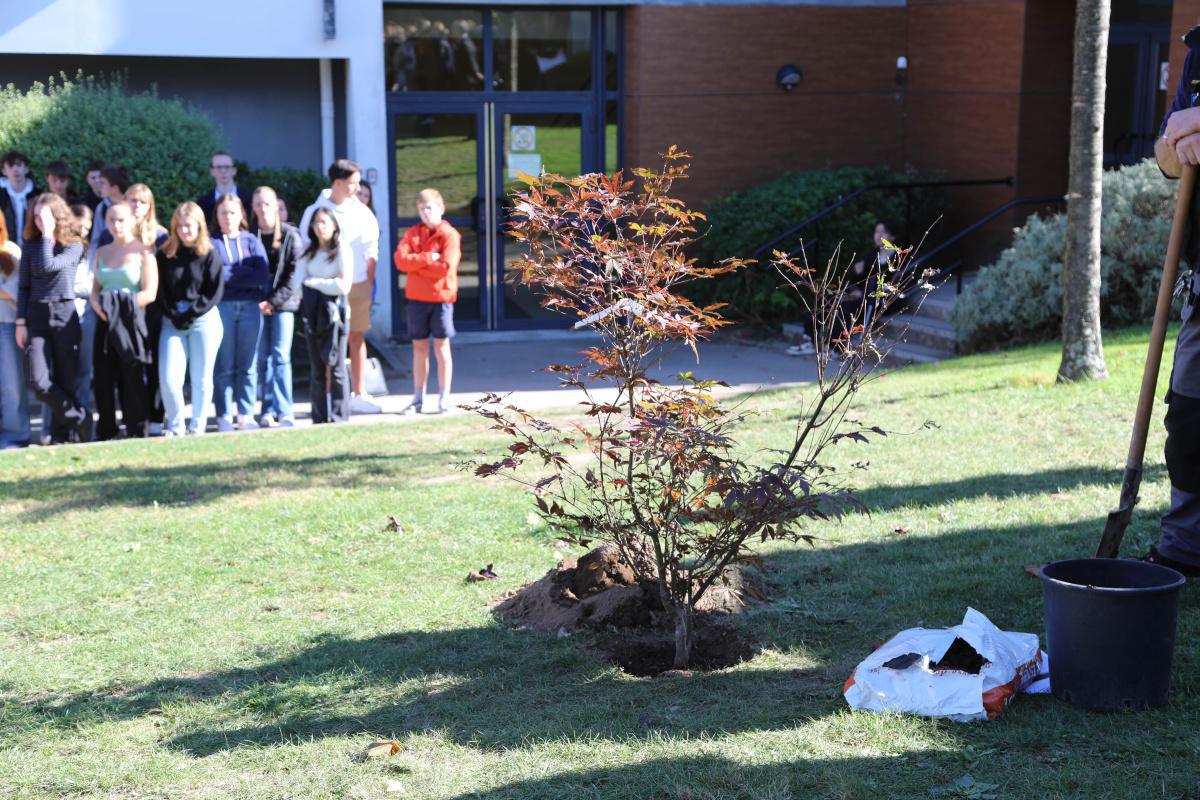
{"points": [[429, 254]]}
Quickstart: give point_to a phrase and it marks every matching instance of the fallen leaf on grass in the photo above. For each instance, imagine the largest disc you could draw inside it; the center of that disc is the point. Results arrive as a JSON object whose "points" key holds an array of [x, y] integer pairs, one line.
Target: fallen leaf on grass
{"points": [[900, 530], [393, 524], [1034, 569], [381, 748], [1060, 496]]}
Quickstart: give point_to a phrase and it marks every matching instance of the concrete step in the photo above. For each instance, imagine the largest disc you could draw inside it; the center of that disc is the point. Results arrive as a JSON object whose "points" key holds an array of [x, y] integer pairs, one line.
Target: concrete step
{"points": [[902, 353], [931, 332], [936, 307]]}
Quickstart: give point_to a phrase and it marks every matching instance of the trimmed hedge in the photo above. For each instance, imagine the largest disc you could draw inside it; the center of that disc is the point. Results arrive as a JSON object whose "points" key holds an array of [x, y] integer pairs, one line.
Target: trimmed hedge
{"points": [[1019, 298], [743, 221], [163, 143], [298, 187]]}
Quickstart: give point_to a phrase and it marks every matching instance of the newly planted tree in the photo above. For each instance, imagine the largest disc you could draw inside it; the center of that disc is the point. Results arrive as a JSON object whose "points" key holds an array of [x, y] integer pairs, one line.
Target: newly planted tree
{"points": [[653, 468]]}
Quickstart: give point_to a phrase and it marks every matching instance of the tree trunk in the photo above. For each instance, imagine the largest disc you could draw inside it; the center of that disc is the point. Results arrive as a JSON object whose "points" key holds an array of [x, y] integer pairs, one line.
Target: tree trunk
{"points": [[1082, 348], [683, 636]]}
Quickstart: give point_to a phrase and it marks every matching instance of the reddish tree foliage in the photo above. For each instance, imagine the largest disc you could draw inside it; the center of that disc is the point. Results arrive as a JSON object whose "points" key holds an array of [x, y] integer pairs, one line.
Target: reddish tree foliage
{"points": [[662, 477]]}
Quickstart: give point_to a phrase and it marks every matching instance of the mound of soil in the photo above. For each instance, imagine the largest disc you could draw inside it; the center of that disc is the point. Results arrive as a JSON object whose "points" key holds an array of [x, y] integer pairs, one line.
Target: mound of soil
{"points": [[600, 590]]}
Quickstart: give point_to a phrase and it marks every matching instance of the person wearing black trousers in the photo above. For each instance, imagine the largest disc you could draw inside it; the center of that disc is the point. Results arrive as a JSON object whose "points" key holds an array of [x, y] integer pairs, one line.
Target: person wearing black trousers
{"points": [[47, 326]]}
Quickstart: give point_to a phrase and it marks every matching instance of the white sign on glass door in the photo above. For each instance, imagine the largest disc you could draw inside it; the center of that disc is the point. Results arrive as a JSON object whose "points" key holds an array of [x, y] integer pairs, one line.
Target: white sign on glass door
{"points": [[524, 138]]}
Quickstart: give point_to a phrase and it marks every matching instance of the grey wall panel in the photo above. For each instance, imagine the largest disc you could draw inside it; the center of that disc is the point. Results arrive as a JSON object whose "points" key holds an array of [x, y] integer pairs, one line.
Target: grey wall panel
{"points": [[268, 110]]}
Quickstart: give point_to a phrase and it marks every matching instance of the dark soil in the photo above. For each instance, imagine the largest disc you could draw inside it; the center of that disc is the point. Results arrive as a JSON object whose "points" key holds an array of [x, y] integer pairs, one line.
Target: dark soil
{"points": [[599, 591], [717, 647]]}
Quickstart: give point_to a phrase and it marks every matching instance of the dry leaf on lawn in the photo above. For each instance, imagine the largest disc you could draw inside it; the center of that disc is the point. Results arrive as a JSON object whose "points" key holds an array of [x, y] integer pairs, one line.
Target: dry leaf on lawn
{"points": [[381, 749]]}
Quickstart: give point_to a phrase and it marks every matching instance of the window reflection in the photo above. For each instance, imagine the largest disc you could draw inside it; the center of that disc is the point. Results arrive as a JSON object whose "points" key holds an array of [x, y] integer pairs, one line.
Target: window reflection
{"points": [[543, 50], [433, 49]]}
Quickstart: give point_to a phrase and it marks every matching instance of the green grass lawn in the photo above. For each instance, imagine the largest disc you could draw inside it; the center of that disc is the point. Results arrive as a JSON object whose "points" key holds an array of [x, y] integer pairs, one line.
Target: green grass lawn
{"points": [[227, 617]]}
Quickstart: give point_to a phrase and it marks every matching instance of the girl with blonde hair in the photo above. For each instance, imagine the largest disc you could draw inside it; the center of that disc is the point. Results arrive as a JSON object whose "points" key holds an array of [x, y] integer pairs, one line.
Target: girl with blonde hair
{"points": [[191, 284]]}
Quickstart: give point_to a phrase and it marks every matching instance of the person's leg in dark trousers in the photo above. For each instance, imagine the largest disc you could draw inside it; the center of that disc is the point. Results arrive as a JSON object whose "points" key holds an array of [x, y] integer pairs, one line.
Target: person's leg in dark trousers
{"points": [[51, 357], [339, 378], [105, 376], [136, 404], [1181, 524], [154, 320], [316, 369]]}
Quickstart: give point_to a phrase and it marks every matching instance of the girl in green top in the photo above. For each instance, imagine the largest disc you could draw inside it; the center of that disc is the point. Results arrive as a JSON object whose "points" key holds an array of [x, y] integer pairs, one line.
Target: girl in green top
{"points": [[125, 265]]}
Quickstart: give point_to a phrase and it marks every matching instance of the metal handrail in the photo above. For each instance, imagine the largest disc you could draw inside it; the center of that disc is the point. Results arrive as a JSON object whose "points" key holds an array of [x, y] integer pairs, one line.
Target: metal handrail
{"points": [[920, 261], [824, 212]]}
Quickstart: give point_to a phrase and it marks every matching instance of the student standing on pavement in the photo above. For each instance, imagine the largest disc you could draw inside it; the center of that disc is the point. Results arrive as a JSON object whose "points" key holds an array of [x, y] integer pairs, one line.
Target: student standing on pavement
{"points": [[16, 190], [14, 399], [223, 171], [58, 181], [91, 176], [125, 283], [429, 253], [359, 231], [247, 277], [1179, 145], [113, 182], [47, 326], [147, 229], [326, 272], [87, 317], [281, 242], [192, 281]]}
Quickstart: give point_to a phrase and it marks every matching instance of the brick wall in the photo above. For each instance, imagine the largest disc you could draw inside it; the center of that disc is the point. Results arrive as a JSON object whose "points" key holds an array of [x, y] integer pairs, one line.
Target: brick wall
{"points": [[704, 79]]}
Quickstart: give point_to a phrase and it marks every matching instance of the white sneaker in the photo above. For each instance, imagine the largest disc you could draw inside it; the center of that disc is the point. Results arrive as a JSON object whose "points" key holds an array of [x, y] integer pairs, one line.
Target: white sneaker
{"points": [[266, 421], [287, 422], [224, 424], [156, 429], [247, 423], [359, 405]]}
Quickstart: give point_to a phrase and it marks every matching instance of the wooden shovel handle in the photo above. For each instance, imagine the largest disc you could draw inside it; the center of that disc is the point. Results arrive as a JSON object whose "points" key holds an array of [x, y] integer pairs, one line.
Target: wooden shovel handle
{"points": [[1162, 317]]}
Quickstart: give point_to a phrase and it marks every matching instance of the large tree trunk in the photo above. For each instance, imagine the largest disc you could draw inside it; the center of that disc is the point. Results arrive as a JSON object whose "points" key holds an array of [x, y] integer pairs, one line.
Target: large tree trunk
{"points": [[1083, 351]]}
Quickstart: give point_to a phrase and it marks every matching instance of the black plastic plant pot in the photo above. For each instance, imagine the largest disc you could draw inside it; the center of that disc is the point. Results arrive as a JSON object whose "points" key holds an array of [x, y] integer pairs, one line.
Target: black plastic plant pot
{"points": [[1110, 631]]}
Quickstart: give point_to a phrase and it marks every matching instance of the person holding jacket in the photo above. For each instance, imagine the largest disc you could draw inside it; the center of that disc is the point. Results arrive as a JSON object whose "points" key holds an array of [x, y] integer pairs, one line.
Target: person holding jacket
{"points": [[281, 242], [125, 282], [247, 277], [191, 283], [47, 325], [429, 253], [326, 272]]}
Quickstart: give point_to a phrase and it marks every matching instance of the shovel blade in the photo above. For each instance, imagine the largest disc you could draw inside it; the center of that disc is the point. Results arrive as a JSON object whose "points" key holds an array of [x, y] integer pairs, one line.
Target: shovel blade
{"points": [[1114, 531]]}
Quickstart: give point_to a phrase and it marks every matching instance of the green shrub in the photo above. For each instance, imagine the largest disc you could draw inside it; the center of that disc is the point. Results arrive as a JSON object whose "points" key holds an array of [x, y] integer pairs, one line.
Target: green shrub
{"points": [[163, 143], [298, 187], [743, 221], [1019, 298]]}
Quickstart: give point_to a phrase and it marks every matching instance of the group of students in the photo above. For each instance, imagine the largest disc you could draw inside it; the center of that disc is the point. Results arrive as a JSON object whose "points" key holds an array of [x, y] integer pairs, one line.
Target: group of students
{"points": [[97, 298]]}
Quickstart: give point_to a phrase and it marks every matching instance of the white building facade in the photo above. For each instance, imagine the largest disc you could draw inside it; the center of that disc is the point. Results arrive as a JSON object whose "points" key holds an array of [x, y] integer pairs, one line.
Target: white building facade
{"points": [[399, 88]]}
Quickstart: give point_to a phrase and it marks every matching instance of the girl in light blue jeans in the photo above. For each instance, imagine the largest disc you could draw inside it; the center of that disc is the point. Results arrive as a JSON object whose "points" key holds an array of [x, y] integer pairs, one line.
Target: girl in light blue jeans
{"points": [[191, 283], [247, 277], [14, 399]]}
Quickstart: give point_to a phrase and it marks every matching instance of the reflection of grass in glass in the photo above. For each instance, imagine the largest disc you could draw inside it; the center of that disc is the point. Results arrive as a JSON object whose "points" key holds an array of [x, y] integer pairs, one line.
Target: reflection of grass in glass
{"points": [[559, 149], [445, 163], [610, 148]]}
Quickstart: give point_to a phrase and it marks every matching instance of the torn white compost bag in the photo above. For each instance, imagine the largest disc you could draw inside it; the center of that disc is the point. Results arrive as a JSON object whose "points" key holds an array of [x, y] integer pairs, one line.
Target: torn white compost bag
{"points": [[968, 672]]}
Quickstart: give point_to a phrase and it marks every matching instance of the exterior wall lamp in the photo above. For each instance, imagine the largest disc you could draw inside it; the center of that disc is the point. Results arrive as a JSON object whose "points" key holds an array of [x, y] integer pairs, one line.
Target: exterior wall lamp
{"points": [[901, 70], [788, 77]]}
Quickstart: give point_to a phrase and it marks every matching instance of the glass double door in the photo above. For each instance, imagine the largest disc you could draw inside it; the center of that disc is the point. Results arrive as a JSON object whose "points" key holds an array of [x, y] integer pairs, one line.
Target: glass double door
{"points": [[472, 152]]}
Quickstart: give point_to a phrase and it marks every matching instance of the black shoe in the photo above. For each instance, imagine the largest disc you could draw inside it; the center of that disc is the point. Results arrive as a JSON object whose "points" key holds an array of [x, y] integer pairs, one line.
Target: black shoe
{"points": [[85, 430], [1182, 567]]}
